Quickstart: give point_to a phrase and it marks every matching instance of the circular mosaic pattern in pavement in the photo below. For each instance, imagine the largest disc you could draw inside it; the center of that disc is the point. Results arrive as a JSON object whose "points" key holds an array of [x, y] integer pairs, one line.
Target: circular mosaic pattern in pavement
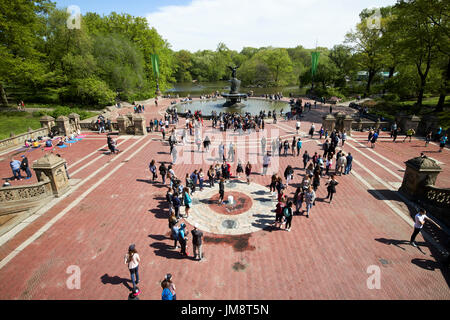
{"points": [[254, 215], [241, 204]]}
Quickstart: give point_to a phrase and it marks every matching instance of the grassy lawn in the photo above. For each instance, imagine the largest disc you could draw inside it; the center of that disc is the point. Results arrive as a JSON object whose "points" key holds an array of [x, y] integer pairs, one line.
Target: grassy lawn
{"points": [[388, 109], [17, 122]]}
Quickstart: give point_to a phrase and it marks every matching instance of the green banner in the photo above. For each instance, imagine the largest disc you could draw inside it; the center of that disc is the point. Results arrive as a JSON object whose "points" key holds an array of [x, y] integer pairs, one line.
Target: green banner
{"points": [[315, 62], [155, 65]]}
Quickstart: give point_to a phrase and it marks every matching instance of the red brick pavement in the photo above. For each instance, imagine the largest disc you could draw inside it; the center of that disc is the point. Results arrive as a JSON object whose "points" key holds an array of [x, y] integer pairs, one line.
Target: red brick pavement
{"points": [[324, 257]]}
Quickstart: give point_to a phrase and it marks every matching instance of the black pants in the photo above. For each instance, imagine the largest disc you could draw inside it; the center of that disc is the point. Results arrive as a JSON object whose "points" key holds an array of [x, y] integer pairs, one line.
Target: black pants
{"points": [[330, 195], [415, 233], [288, 222]]}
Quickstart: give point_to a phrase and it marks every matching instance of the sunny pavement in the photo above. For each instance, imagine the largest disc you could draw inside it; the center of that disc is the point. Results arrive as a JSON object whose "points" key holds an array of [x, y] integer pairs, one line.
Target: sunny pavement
{"points": [[324, 257]]}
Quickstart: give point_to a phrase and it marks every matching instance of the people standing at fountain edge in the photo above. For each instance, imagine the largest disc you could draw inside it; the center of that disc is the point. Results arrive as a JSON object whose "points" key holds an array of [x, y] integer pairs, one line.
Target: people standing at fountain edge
{"points": [[443, 142], [197, 236], [419, 221], [248, 171], [287, 212], [25, 167], [239, 169], [187, 201], [331, 187], [266, 163], [132, 259], [409, 134], [221, 190]]}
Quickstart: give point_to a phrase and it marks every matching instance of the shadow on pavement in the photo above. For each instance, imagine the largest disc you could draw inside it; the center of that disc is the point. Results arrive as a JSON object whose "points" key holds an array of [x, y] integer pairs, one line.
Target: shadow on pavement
{"points": [[167, 251], [115, 280]]}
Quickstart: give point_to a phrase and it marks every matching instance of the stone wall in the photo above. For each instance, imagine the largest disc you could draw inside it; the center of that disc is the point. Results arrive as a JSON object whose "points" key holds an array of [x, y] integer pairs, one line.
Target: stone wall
{"points": [[19, 140], [437, 202], [18, 203]]}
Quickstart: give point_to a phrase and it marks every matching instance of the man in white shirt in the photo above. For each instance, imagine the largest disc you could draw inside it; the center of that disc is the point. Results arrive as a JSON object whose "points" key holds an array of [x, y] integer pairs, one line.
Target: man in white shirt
{"points": [[418, 225], [297, 126]]}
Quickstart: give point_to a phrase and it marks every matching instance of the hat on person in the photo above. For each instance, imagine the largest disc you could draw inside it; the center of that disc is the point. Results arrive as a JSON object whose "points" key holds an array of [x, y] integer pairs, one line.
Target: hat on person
{"points": [[183, 226], [136, 291], [132, 247], [196, 225], [168, 276]]}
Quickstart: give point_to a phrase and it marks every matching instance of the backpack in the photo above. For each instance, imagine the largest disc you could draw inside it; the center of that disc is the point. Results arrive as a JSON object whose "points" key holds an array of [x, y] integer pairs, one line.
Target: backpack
{"points": [[175, 232], [286, 212]]}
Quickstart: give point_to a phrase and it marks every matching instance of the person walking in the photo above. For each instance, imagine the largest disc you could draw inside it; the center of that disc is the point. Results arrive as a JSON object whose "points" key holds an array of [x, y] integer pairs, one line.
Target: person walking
{"points": [[428, 138], [239, 169], [288, 174], [25, 167], [409, 134], [197, 243], [187, 201], [442, 142], [312, 130], [419, 220], [341, 164], [344, 137], [331, 187], [152, 167], [248, 171], [299, 146], [132, 259], [287, 212], [348, 166], [297, 126], [306, 159], [394, 135], [298, 199], [310, 198]]}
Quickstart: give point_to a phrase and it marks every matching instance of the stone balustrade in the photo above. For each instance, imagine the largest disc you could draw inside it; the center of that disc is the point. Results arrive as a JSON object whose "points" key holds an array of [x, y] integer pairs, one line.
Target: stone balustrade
{"points": [[19, 140]]}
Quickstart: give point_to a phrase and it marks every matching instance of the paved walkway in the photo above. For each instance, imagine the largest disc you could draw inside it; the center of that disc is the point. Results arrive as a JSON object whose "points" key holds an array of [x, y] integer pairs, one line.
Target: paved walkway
{"points": [[324, 257]]}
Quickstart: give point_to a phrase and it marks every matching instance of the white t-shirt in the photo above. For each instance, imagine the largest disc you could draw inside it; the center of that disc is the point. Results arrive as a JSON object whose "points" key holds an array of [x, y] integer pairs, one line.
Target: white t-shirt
{"points": [[419, 219], [134, 261], [298, 124]]}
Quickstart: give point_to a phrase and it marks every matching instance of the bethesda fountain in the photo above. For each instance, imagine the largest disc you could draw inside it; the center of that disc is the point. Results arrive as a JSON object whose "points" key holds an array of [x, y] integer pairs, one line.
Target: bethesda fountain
{"points": [[233, 99]]}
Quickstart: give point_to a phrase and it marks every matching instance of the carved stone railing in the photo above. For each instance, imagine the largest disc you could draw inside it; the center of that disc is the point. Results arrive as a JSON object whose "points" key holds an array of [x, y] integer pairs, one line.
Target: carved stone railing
{"points": [[20, 198], [437, 202], [19, 140]]}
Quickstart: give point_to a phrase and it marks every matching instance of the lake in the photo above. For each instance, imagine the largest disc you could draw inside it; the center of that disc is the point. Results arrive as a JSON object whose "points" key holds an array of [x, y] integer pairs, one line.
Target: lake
{"points": [[205, 88]]}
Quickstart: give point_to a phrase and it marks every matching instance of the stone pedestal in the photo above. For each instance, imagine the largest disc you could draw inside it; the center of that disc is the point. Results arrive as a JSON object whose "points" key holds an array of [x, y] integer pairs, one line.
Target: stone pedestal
{"points": [[420, 172], [329, 122], [122, 123], [408, 122], [63, 125], [339, 121], [140, 128], [74, 120], [47, 122], [52, 167], [348, 122]]}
